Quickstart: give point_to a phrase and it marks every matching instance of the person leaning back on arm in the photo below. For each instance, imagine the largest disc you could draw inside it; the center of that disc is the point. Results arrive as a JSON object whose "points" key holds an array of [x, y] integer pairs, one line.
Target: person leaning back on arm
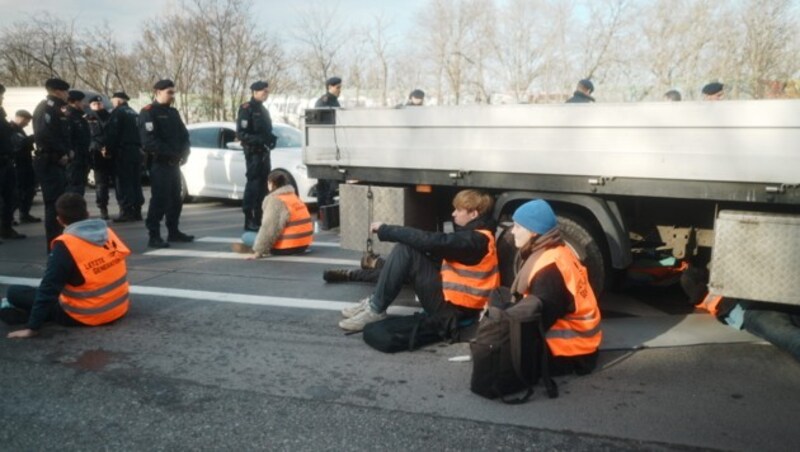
{"points": [[85, 282]]}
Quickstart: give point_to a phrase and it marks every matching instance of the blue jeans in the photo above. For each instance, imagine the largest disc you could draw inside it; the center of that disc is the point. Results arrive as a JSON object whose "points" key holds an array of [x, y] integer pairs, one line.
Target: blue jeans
{"points": [[249, 238], [779, 328]]}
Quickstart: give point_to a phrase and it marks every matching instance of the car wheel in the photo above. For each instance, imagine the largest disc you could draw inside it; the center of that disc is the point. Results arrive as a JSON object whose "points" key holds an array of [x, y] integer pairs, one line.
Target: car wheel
{"points": [[581, 238], [288, 177]]}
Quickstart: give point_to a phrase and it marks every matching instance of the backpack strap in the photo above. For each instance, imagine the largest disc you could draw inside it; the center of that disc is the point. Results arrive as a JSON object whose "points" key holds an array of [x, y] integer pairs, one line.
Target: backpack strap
{"points": [[549, 384], [515, 338]]}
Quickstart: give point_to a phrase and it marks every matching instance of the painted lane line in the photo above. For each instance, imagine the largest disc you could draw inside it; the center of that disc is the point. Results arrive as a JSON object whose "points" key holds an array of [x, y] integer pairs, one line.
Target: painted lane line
{"points": [[238, 240], [170, 252]]}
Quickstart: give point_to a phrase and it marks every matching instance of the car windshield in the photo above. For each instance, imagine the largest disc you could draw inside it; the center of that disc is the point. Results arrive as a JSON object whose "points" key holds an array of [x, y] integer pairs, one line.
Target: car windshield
{"points": [[288, 137]]}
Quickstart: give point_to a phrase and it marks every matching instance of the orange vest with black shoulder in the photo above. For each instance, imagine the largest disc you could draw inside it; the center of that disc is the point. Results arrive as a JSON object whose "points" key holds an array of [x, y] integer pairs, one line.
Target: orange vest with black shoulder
{"points": [[577, 333], [470, 285], [104, 296], [299, 230]]}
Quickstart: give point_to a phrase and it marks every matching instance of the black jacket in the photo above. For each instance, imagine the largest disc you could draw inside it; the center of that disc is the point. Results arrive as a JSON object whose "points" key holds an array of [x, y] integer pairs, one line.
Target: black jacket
{"points": [[162, 132], [6, 133], [464, 245], [81, 136], [97, 124], [254, 126], [123, 132], [51, 127], [580, 98], [22, 144], [327, 100], [60, 271]]}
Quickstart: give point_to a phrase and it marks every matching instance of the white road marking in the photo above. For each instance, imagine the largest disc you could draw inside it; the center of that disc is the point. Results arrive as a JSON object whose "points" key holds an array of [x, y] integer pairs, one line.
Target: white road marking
{"points": [[238, 240], [304, 259]]}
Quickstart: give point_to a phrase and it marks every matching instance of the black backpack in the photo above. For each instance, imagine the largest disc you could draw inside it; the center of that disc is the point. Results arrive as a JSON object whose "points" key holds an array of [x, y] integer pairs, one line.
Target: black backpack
{"points": [[407, 333], [509, 353]]}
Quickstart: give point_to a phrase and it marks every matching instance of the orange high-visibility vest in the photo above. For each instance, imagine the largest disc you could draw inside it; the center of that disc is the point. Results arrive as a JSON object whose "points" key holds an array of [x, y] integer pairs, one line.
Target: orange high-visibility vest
{"points": [[711, 304], [103, 297], [299, 230], [577, 333], [471, 285]]}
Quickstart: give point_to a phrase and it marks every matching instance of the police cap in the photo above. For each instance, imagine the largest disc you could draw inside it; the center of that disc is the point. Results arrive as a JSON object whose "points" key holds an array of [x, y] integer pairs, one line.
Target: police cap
{"points": [[96, 99], [56, 84], [163, 84], [259, 85], [76, 95], [417, 93], [713, 88], [333, 81], [120, 95], [587, 84]]}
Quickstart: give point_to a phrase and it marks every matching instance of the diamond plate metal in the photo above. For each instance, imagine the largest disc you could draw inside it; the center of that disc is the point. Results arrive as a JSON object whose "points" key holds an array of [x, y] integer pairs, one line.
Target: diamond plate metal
{"points": [[756, 256]]}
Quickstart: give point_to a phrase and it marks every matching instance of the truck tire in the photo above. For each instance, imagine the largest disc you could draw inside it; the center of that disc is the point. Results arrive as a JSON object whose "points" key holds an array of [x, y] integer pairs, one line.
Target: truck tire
{"points": [[581, 239]]}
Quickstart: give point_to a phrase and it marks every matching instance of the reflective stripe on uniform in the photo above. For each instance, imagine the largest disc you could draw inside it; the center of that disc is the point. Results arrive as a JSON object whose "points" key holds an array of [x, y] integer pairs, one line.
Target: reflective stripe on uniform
{"points": [[98, 310], [469, 273], [466, 289], [95, 293], [571, 334]]}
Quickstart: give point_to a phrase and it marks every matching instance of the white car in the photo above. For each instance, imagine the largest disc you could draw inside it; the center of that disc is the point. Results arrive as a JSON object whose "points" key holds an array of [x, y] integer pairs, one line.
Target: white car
{"points": [[216, 165]]}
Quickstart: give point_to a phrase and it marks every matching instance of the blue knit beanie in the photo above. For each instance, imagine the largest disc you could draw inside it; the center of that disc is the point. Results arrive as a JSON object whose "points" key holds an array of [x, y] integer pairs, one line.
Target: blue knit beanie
{"points": [[536, 216]]}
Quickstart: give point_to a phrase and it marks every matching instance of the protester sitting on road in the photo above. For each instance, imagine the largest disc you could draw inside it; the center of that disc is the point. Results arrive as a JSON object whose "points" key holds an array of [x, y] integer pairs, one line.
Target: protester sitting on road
{"points": [[775, 323], [85, 281], [451, 273], [286, 225], [550, 271]]}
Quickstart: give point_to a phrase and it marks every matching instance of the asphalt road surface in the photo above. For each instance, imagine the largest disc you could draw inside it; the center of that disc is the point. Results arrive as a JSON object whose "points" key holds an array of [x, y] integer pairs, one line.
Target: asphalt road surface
{"points": [[222, 353]]}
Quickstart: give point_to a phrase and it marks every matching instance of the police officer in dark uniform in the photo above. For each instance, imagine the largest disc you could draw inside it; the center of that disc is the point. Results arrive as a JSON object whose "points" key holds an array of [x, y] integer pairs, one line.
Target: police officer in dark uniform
{"points": [[8, 179], [81, 138], [100, 158], [254, 127], [23, 166], [125, 143], [53, 148], [583, 93], [326, 188], [165, 136]]}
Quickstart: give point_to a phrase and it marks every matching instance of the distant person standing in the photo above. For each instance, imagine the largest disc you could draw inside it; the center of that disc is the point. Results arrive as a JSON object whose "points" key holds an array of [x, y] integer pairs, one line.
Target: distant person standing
{"points": [[714, 91], [254, 127], [416, 98], [23, 166], [8, 179], [583, 93], [326, 188], [165, 136], [673, 96], [81, 136], [53, 148], [98, 154], [124, 144]]}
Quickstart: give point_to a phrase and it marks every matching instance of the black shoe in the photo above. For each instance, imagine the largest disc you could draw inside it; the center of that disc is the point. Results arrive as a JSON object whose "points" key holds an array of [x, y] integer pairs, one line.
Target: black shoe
{"points": [[14, 223], [180, 237], [28, 218], [157, 242], [336, 275], [104, 213], [124, 217], [10, 233], [13, 316]]}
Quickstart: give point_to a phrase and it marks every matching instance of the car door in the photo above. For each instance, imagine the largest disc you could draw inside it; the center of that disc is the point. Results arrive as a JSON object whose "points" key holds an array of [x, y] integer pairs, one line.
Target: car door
{"points": [[204, 171], [235, 166]]}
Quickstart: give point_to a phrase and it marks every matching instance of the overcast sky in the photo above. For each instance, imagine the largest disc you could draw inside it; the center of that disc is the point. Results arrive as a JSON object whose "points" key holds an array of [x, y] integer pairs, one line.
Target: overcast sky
{"points": [[276, 15]]}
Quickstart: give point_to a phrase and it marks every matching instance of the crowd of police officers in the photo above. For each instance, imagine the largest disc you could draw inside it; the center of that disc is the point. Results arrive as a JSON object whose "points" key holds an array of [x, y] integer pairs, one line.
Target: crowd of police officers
{"points": [[68, 141]]}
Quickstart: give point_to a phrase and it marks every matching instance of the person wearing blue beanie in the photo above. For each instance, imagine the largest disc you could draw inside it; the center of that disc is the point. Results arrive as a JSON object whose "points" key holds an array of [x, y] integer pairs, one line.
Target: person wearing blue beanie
{"points": [[548, 270]]}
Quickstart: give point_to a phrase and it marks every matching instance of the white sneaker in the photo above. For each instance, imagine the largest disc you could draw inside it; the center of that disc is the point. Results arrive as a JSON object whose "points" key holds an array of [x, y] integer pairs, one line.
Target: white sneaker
{"points": [[350, 311], [360, 320]]}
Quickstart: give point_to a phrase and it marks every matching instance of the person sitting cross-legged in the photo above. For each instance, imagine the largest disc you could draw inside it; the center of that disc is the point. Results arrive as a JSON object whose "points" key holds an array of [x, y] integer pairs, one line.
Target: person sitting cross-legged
{"points": [[453, 274]]}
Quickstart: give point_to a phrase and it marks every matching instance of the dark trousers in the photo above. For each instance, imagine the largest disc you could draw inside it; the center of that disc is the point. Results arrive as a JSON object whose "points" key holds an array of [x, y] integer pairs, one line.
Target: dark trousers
{"points": [[26, 186], [408, 265], [22, 298], [326, 191], [77, 172], [8, 194], [257, 171], [780, 328], [129, 180], [165, 198], [103, 180], [53, 180]]}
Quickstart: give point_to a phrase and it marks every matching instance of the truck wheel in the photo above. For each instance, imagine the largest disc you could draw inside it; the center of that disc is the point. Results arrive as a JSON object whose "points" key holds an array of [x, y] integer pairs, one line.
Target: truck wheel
{"points": [[580, 238]]}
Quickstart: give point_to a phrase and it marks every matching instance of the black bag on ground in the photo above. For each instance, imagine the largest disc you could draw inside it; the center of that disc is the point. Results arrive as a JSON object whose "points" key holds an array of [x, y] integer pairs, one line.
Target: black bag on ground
{"points": [[509, 354], [406, 333]]}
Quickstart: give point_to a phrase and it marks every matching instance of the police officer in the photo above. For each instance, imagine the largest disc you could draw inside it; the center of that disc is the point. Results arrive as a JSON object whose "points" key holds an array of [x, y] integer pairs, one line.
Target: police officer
{"points": [[100, 158], [8, 183], [254, 127], [416, 98], [23, 166], [53, 148], [81, 138], [125, 143], [583, 93], [165, 136], [713, 91], [326, 188]]}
